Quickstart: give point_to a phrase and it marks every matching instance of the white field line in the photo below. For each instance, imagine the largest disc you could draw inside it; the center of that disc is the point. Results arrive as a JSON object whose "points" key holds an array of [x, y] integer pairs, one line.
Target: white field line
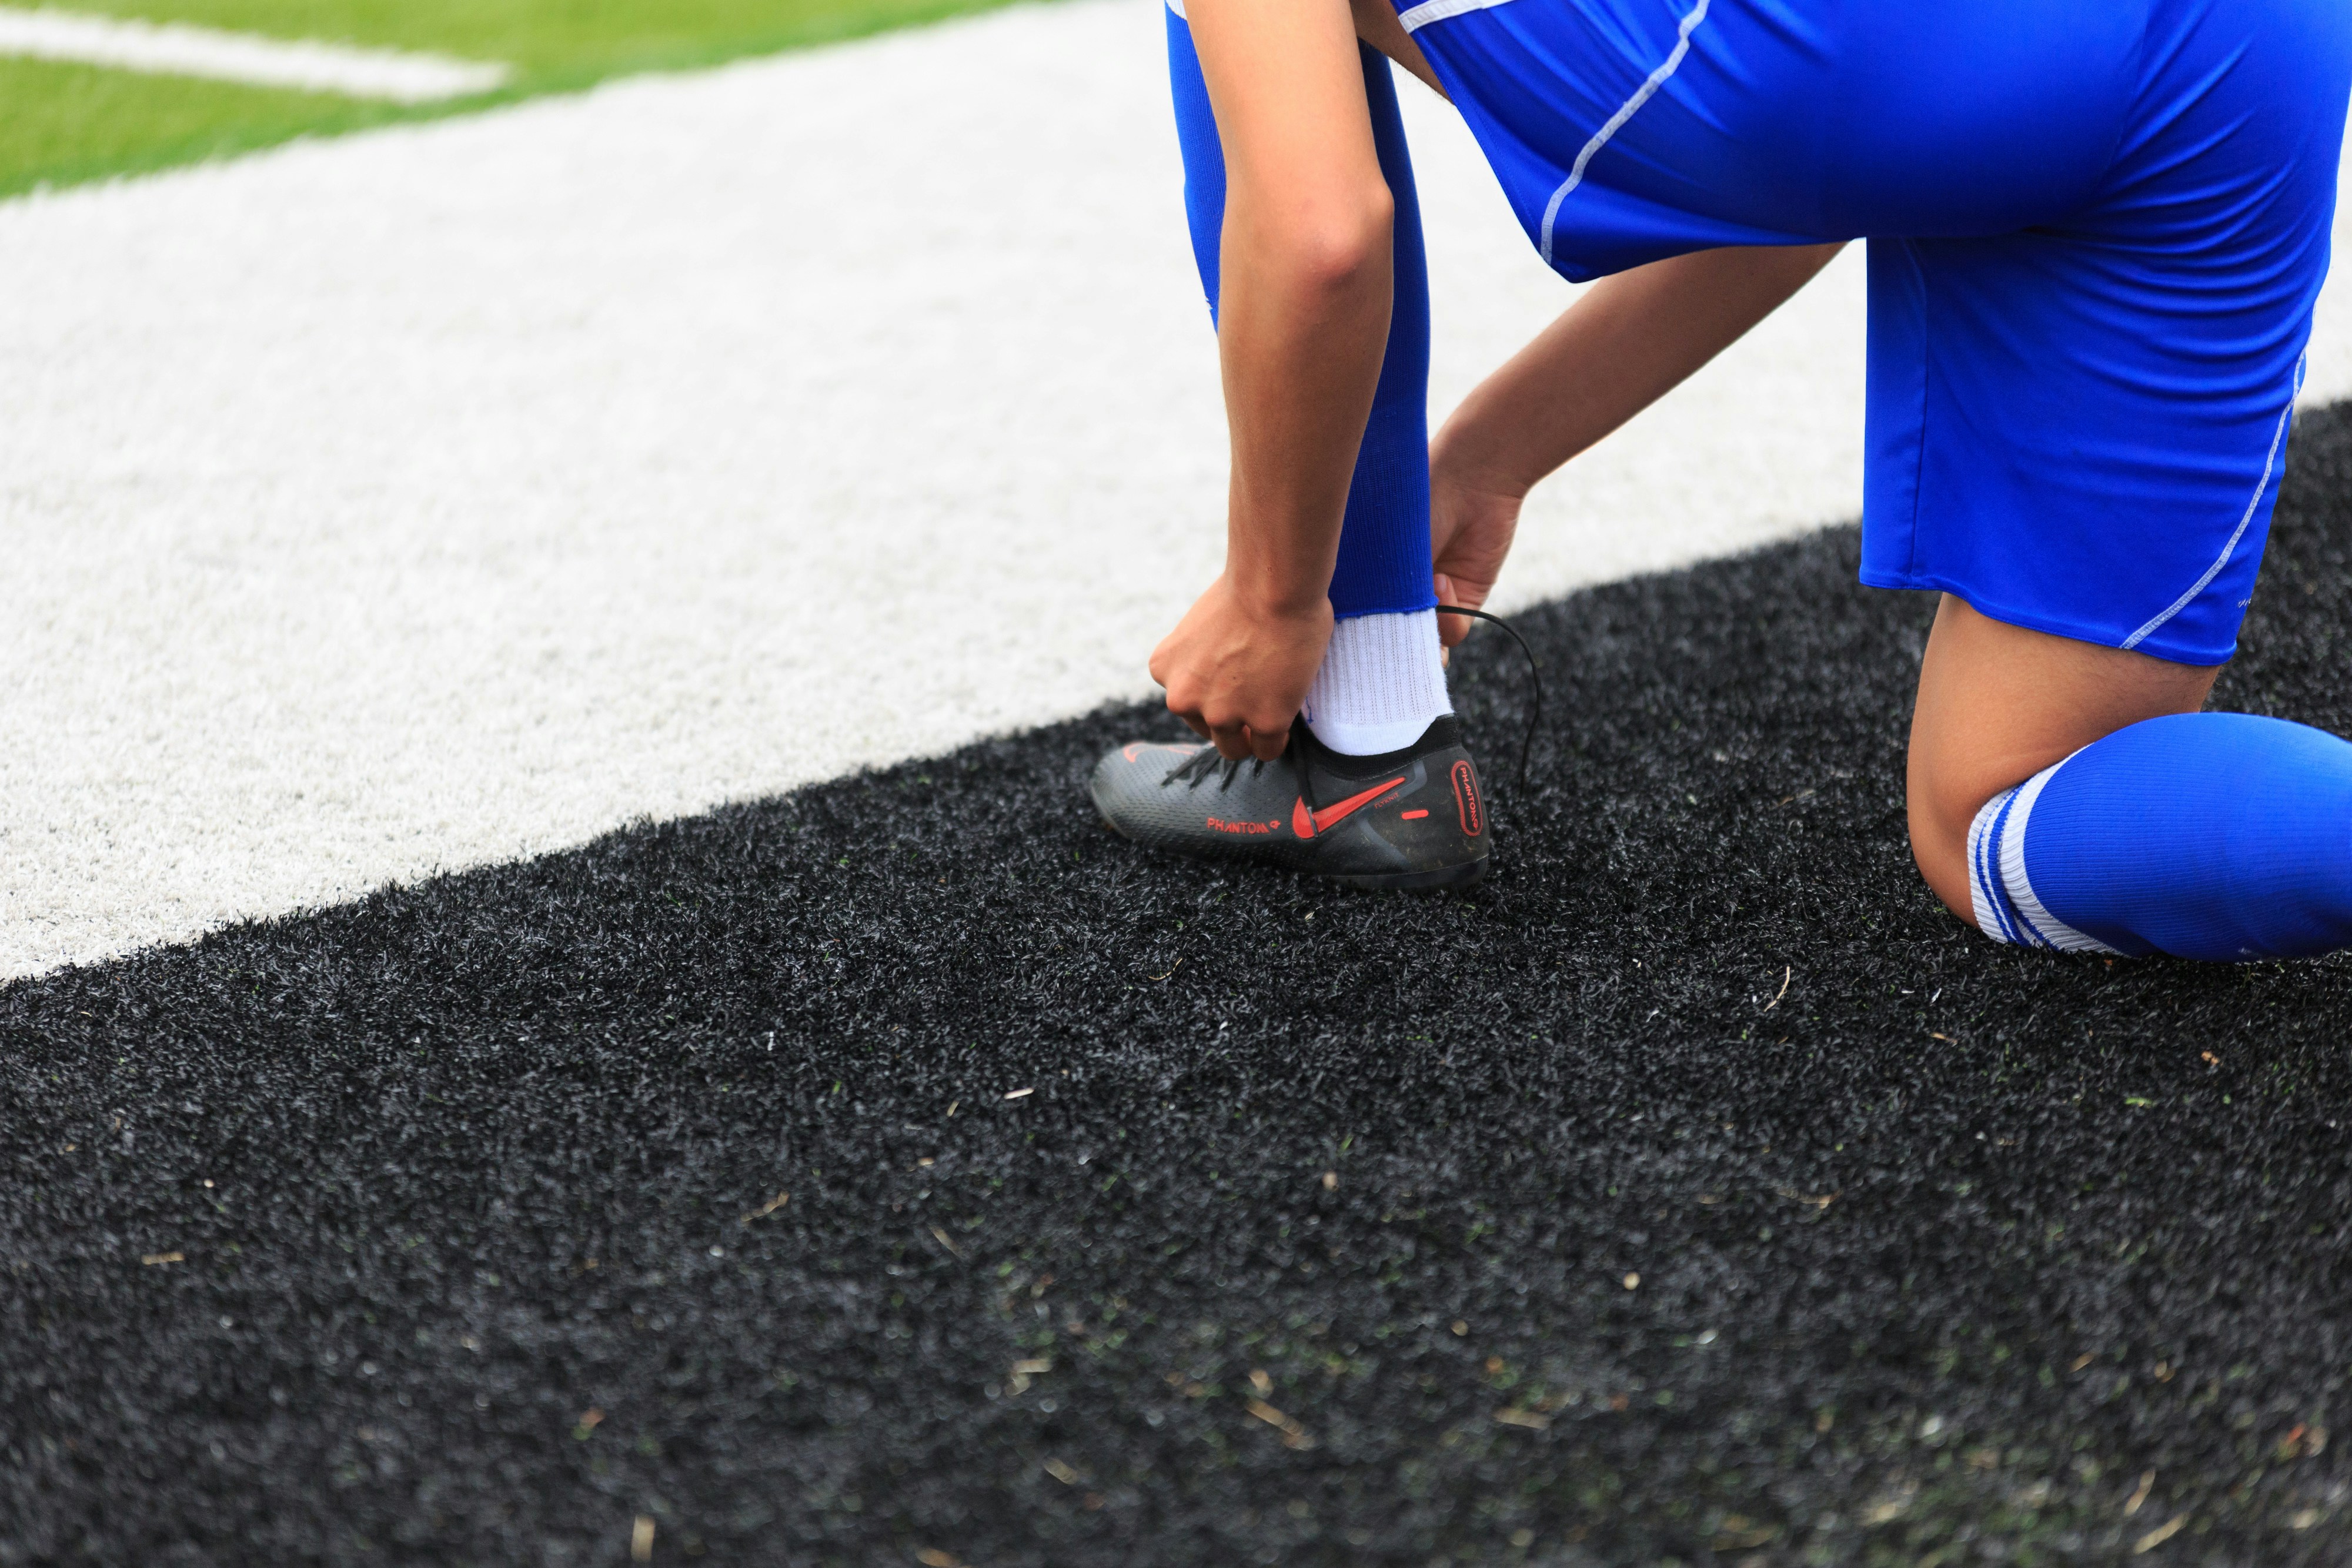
{"points": [[441, 496], [180, 48]]}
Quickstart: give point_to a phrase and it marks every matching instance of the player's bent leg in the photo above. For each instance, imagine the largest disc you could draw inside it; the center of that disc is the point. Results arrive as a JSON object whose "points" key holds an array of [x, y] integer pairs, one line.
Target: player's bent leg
{"points": [[2078, 421], [1376, 789], [1384, 682], [2070, 795], [1997, 703]]}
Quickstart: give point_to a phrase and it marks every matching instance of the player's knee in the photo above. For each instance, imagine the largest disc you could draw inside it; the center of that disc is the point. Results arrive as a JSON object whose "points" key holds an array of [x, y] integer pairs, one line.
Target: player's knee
{"points": [[1943, 801], [1997, 703]]}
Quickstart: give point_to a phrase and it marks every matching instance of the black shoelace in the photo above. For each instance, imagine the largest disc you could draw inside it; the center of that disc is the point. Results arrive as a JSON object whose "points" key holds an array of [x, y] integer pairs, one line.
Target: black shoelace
{"points": [[1201, 764], [1535, 679]]}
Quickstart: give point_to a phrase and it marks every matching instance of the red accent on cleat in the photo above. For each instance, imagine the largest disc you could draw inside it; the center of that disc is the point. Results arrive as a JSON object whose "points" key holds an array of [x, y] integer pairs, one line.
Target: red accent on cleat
{"points": [[1466, 798], [1329, 815]]}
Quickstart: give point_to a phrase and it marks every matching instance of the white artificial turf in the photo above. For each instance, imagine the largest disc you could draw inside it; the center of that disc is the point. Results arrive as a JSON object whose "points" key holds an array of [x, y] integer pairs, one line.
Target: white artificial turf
{"points": [[454, 492]]}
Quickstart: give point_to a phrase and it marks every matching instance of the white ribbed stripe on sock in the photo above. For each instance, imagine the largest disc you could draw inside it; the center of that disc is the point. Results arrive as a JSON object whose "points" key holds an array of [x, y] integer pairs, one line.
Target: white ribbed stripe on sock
{"points": [[1382, 682], [2007, 908]]}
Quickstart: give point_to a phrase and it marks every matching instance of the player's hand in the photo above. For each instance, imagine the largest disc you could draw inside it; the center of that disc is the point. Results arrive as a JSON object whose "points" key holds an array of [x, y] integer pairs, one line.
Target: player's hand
{"points": [[1237, 673], [1470, 531]]}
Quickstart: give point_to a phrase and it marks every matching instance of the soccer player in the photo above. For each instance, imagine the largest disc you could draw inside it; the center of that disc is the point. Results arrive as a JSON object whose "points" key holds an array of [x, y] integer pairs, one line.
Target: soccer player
{"points": [[2096, 237]]}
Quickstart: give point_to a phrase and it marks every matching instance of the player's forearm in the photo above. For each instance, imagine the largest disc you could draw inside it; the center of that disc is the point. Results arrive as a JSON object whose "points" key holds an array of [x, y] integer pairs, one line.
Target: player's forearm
{"points": [[1631, 340], [1302, 325]]}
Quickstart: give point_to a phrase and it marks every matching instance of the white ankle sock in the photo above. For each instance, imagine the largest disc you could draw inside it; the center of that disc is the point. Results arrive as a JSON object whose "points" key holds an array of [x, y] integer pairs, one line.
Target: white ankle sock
{"points": [[1381, 685]]}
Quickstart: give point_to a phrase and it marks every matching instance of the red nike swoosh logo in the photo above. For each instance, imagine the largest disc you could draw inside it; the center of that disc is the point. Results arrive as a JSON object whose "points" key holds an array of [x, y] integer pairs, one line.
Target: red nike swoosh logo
{"points": [[1330, 814]]}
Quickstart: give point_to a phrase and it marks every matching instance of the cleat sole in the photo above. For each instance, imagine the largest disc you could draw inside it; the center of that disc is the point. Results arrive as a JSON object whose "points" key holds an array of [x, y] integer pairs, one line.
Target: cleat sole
{"points": [[1444, 879]]}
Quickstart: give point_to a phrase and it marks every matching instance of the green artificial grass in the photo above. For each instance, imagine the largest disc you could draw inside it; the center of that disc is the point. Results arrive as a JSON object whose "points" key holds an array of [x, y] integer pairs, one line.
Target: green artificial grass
{"points": [[556, 42], [66, 124]]}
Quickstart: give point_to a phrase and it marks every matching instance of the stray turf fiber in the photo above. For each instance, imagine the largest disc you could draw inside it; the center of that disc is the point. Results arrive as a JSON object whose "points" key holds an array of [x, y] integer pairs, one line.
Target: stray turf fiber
{"points": [[905, 1170]]}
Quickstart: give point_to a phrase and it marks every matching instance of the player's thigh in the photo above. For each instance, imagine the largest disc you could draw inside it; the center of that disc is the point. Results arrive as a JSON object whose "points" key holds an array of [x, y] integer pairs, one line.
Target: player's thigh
{"points": [[1997, 703]]}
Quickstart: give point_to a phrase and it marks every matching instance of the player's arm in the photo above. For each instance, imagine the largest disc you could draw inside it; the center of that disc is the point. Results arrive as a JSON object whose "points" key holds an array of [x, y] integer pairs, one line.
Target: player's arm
{"points": [[1303, 323], [1626, 343]]}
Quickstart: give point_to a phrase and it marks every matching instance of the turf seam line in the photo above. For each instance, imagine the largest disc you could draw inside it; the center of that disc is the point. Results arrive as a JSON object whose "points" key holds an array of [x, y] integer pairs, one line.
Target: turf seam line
{"points": [[181, 48]]}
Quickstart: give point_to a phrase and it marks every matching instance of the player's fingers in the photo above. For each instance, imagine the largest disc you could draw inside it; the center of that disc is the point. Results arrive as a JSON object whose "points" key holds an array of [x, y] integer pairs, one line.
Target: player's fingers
{"points": [[1451, 629], [1232, 740], [1189, 710], [1183, 699], [1268, 744]]}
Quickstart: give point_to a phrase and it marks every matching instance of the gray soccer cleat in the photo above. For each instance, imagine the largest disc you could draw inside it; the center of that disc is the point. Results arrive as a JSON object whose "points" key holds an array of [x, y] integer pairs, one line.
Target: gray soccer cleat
{"points": [[1408, 818]]}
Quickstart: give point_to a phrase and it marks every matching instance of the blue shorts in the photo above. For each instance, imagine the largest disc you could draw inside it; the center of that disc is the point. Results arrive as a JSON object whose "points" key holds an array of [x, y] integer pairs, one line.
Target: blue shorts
{"points": [[2096, 233]]}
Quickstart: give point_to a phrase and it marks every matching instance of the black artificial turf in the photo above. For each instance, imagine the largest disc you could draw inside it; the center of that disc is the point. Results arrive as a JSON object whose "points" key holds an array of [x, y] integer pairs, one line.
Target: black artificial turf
{"points": [[1313, 1230]]}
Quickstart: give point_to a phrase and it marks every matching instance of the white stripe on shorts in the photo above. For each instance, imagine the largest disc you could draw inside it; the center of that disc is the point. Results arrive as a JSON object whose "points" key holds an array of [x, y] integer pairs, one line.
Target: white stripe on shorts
{"points": [[1414, 17], [1625, 111], [2278, 433], [1419, 17]]}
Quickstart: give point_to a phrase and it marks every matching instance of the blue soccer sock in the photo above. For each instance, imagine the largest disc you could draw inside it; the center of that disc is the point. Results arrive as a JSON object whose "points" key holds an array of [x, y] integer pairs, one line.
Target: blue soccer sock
{"points": [[1383, 679], [2214, 835]]}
